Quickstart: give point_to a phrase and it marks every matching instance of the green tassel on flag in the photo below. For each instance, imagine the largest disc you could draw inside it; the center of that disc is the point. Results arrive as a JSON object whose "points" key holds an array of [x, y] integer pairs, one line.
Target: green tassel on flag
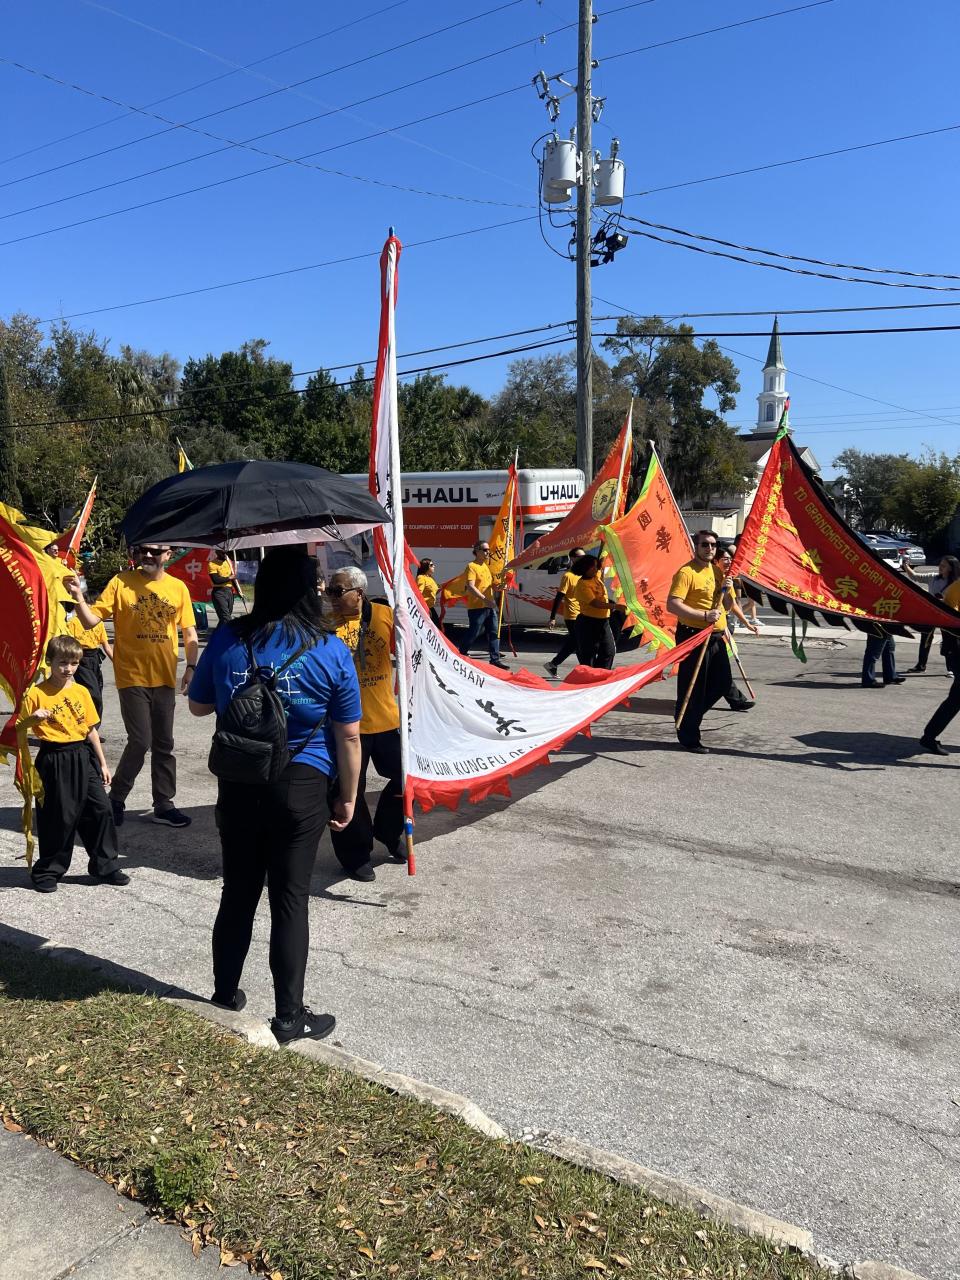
{"points": [[795, 644], [783, 428]]}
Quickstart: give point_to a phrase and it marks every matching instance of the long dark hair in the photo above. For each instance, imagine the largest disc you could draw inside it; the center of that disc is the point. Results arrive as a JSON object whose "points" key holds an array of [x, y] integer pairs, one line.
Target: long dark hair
{"points": [[284, 597], [953, 567]]}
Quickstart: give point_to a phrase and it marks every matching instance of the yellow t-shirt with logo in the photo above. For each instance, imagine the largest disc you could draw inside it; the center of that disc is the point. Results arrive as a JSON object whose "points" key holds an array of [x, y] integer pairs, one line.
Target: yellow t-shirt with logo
{"points": [[697, 588], [569, 605], [377, 699], [591, 596], [145, 619], [482, 579], [222, 568], [89, 638], [74, 714], [428, 588]]}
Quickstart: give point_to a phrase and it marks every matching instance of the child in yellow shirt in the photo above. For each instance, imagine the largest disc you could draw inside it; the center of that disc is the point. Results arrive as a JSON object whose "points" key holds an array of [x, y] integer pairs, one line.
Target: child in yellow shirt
{"points": [[73, 771]]}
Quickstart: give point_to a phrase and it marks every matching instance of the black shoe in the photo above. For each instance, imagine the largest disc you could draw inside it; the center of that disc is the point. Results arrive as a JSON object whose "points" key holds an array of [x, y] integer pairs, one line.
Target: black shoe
{"points": [[934, 747], [697, 748], [896, 680], [117, 807], [307, 1026], [364, 872], [172, 818], [916, 671], [399, 854], [871, 684], [740, 706], [114, 877], [45, 884], [495, 662], [238, 1002]]}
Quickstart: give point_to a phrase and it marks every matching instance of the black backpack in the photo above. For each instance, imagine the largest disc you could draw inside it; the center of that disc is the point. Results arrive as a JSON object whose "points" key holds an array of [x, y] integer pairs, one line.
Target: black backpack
{"points": [[250, 742]]}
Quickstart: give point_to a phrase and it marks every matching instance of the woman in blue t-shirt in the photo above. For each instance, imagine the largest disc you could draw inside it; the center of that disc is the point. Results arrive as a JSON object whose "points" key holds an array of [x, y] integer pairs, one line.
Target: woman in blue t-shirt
{"points": [[270, 832]]}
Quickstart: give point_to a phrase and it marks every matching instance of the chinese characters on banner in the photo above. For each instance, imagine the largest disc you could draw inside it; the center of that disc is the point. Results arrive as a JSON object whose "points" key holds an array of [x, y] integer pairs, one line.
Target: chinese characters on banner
{"points": [[190, 567], [795, 545], [648, 545]]}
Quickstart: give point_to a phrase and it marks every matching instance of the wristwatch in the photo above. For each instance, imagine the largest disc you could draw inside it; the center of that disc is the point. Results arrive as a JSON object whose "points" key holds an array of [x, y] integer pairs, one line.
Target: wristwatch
{"points": [[191, 666]]}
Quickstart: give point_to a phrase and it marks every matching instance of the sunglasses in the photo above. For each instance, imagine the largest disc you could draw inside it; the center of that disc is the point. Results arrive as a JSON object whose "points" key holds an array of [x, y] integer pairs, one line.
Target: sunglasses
{"points": [[706, 544], [337, 592], [484, 551], [153, 551]]}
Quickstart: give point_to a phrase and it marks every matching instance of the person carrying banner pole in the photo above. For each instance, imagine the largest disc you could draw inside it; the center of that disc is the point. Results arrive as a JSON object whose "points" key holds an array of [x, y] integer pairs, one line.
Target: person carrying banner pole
{"points": [[501, 544], [697, 600]]}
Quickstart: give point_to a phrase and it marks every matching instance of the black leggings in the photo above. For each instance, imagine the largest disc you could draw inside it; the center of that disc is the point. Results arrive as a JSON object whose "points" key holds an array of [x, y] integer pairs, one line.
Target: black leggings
{"points": [[268, 833], [950, 705], [596, 646]]}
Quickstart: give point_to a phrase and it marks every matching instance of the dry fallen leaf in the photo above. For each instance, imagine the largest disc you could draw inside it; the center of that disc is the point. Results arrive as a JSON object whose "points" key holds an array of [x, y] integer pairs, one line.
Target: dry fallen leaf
{"points": [[702, 1236], [366, 1251], [541, 1222], [620, 1260], [228, 1258], [11, 1126], [531, 1180], [594, 1264], [437, 1255]]}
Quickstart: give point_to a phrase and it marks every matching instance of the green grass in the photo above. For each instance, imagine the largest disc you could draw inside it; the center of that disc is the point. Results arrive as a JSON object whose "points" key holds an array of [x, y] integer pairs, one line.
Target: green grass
{"points": [[309, 1172]]}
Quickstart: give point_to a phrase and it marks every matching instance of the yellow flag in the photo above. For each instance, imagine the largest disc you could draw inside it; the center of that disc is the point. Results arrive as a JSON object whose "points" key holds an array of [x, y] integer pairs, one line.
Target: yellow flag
{"points": [[183, 462], [502, 536]]}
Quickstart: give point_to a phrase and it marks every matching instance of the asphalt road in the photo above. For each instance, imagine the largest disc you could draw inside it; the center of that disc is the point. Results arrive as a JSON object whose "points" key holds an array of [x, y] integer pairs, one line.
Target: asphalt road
{"points": [[741, 968]]}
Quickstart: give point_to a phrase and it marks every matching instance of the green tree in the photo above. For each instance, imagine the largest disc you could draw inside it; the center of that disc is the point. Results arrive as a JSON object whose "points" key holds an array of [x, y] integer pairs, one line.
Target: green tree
{"points": [[246, 393], [536, 412], [9, 489], [670, 377], [869, 483], [926, 497]]}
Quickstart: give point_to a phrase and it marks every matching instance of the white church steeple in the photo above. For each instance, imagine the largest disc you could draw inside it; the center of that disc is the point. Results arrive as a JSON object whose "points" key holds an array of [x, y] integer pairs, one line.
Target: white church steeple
{"points": [[773, 397]]}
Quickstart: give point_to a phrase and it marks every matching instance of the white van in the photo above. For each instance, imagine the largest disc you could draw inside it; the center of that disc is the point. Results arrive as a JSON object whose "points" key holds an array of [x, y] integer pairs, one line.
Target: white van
{"points": [[446, 512]]}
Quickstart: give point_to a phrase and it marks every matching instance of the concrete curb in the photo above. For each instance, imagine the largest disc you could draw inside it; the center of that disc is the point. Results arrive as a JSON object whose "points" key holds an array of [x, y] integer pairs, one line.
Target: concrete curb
{"points": [[607, 1163], [674, 1191]]}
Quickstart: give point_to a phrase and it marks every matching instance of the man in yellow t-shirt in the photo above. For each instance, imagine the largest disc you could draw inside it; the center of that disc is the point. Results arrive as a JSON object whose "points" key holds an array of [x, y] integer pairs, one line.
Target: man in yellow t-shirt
{"points": [[698, 601], [148, 607], [367, 631], [951, 703], [481, 605], [565, 602]]}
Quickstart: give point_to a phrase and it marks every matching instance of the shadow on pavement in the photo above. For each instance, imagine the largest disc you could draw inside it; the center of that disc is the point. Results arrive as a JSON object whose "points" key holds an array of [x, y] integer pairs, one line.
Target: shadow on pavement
{"points": [[31, 968]]}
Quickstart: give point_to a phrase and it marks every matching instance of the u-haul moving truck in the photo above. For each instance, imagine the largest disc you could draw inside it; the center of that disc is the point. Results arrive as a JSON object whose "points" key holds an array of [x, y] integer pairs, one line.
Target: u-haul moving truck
{"points": [[446, 512]]}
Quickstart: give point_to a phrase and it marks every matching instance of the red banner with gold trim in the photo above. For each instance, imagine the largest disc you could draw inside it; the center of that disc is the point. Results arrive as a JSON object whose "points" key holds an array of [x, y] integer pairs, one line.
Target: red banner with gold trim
{"points": [[795, 545], [24, 607]]}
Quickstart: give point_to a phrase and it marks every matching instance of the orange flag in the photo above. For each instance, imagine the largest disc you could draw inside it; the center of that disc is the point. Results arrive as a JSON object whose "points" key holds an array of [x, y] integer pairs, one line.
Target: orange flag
{"points": [[602, 502]]}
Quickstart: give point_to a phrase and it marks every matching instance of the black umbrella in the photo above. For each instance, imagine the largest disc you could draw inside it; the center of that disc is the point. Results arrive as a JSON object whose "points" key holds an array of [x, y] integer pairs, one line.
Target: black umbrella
{"points": [[250, 503]]}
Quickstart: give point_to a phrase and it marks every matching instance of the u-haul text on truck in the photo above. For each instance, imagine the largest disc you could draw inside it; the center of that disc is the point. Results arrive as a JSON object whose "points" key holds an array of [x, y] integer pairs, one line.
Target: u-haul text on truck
{"points": [[446, 512]]}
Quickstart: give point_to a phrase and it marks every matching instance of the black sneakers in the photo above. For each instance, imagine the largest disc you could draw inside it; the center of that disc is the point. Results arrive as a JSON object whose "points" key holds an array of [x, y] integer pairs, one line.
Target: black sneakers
{"points": [[934, 746], [306, 1026], [364, 872], [47, 884], [171, 818], [115, 877]]}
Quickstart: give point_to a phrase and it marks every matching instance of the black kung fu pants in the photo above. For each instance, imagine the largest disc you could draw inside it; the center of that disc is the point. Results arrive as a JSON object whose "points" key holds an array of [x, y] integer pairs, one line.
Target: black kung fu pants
{"points": [[268, 833], [713, 682], [74, 804], [222, 600], [596, 646], [354, 845], [951, 703]]}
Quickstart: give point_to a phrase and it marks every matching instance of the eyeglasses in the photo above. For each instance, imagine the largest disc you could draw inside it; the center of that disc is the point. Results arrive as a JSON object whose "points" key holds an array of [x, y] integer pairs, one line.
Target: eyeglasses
{"points": [[484, 551], [706, 544], [337, 592]]}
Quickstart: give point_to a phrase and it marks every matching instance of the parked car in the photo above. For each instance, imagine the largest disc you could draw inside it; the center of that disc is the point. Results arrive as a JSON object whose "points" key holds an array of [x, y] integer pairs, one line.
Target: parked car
{"points": [[891, 549], [904, 543]]}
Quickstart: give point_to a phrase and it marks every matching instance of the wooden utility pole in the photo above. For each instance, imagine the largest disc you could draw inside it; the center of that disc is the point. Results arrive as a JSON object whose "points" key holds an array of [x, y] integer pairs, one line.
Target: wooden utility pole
{"points": [[584, 243]]}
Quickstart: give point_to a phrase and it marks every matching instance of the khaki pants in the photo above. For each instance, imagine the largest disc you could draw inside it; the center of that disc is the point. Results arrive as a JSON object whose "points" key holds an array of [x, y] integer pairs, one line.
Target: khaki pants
{"points": [[148, 719]]}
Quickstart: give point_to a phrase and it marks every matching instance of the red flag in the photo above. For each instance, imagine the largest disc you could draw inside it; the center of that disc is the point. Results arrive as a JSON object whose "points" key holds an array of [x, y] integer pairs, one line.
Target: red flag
{"points": [[190, 566], [796, 546], [601, 503]]}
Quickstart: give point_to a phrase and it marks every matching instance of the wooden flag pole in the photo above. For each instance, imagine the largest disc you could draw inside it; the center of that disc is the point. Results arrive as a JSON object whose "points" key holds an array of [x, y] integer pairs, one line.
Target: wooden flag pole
{"points": [[736, 657], [718, 595]]}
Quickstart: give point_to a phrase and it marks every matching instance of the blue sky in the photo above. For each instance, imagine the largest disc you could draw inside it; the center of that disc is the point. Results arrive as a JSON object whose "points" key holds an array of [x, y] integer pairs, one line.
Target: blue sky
{"points": [[836, 75]]}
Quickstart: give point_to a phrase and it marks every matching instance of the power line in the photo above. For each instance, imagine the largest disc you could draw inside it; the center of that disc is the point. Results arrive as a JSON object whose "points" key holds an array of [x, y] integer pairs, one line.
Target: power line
{"points": [[203, 84], [289, 271], [230, 144], [490, 355], [781, 164], [779, 266], [888, 404], [793, 257]]}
